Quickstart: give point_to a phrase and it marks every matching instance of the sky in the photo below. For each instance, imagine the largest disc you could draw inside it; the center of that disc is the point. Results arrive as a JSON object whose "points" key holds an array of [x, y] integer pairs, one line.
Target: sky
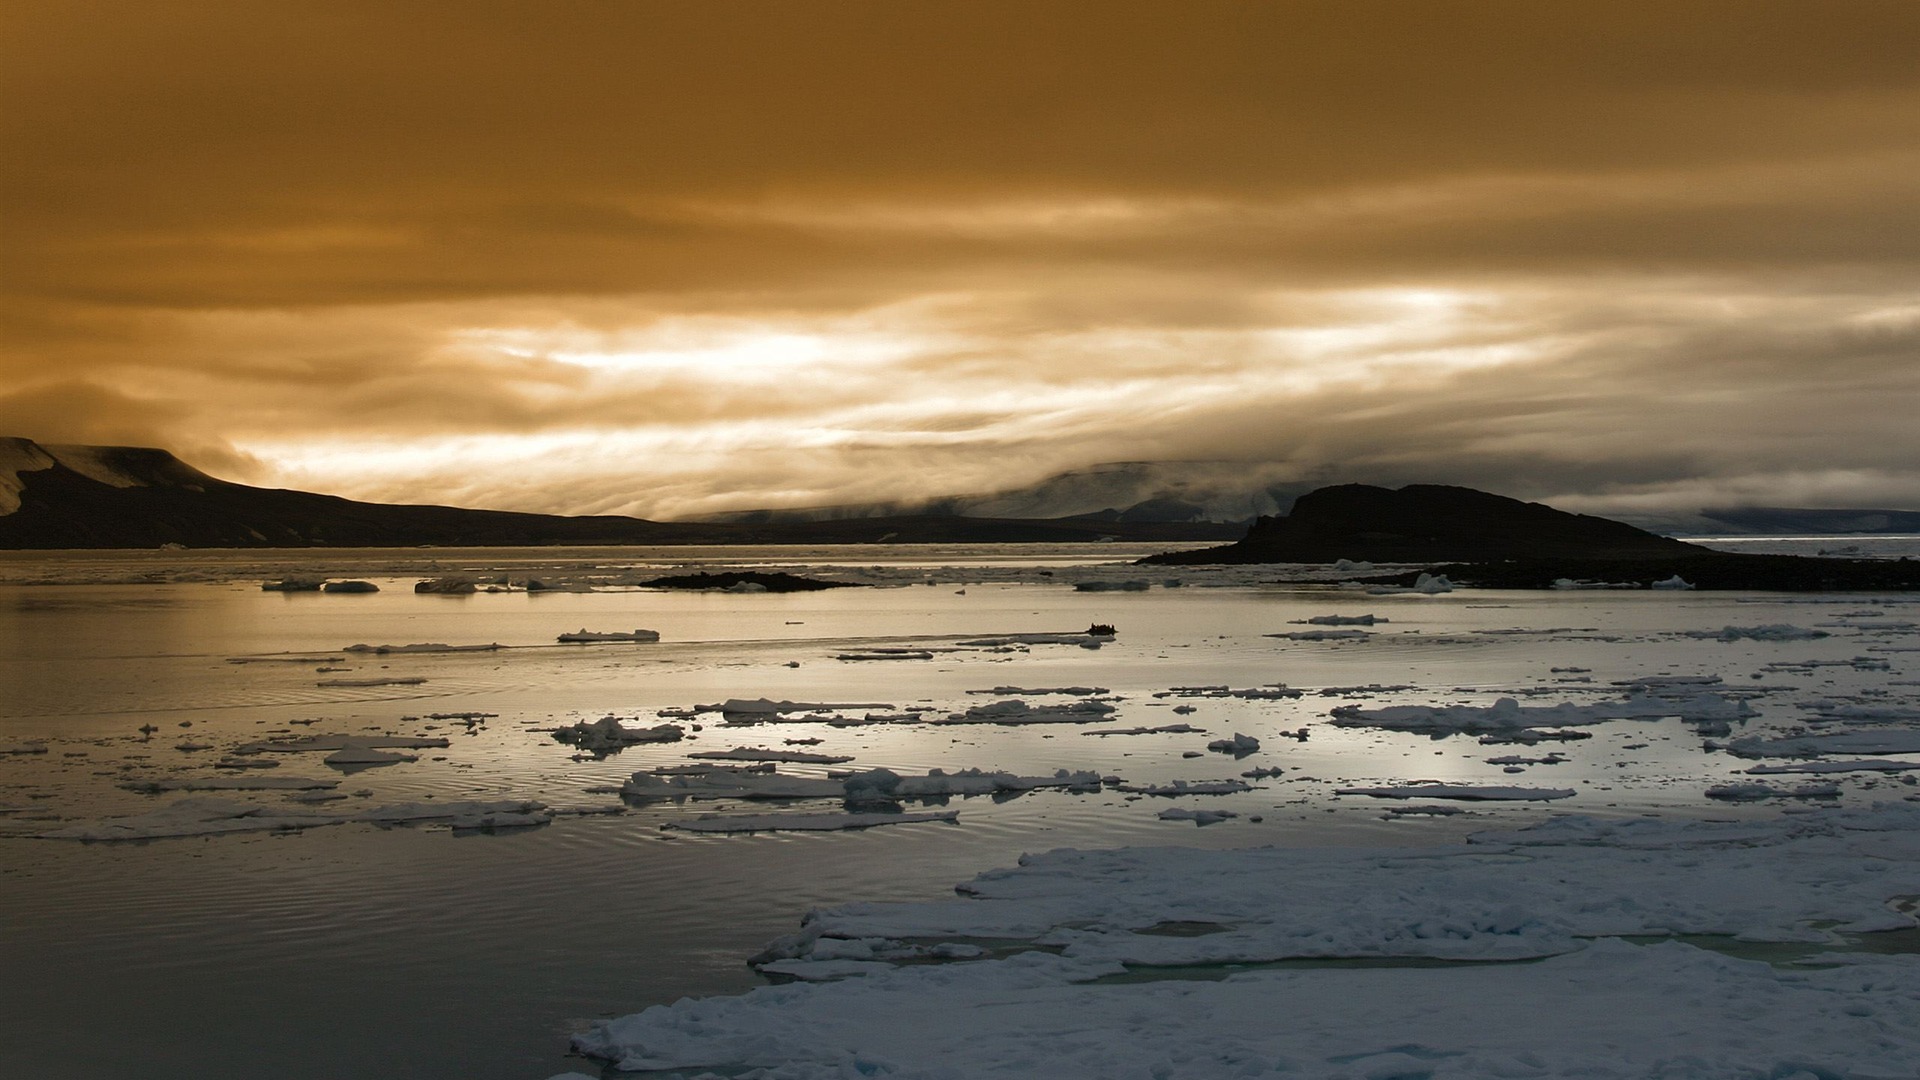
{"points": [[669, 259]]}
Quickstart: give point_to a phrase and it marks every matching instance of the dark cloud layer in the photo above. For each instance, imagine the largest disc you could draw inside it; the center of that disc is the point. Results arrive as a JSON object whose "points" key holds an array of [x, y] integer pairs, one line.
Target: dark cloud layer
{"points": [[673, 257]]}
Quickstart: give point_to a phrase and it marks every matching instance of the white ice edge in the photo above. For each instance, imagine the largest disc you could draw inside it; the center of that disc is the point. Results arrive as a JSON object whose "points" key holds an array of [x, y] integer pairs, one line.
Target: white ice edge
{"points": [[1565, 891]]}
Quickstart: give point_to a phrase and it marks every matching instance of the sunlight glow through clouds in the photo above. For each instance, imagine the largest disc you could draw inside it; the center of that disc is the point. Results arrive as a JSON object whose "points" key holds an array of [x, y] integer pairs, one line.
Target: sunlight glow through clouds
{"points": [[913, 378]]}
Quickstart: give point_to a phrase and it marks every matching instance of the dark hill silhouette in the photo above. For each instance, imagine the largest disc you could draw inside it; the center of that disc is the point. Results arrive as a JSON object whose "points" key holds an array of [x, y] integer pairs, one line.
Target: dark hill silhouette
{"points": [[1476, 538], [1430, 523], [140, 497]]}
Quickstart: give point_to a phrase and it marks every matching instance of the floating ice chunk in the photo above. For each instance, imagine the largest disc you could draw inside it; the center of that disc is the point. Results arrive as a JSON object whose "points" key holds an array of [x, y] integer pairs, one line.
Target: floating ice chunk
{"points": [[1271, 692], [742, 823], [1657, 682], [1239, 746], [1835, 742], [1769, 632], [420, 647], [366, 755], [1425, 584], [885, 654], [1507, 715], [1187, 787], [885, 783], [797, 757], [1835, 767], [722, 784], [1435, 789], [447, 586], [608, 734], [1324, 635], [350, 587], [501, 813], [23, 748], [763, 707], [1164, 729], [1351, 565], [1343, 620], [1566, 584], [1862, 713], [1015, 711], [1749, 792], [1676, 582], [1198, 817], [1043, 691], [591, 637], [823, 970], [406, 680], [293, 584]]}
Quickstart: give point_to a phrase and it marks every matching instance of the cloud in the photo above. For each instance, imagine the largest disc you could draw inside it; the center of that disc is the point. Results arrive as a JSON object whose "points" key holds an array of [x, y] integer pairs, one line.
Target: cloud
{"points": [[668, 259]]}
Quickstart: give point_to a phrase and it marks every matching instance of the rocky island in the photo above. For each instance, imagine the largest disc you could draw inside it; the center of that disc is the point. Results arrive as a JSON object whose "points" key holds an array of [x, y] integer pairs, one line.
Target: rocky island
{"points": [[1478, 538]]}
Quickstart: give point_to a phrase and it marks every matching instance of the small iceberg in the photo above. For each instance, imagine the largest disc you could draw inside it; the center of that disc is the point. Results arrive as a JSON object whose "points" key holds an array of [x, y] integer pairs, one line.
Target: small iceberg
{"points": [[584, 636]]}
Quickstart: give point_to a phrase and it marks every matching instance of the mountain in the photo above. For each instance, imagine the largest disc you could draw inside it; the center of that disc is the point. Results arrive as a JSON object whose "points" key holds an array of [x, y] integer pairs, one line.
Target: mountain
{"points": [[1229, 492], [1792, 521], [1429, 523], [62, 496]]}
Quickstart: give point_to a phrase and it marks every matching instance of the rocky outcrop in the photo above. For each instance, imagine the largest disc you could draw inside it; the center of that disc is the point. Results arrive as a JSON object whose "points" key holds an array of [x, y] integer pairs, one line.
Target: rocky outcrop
{"points": [[1430, 523]]}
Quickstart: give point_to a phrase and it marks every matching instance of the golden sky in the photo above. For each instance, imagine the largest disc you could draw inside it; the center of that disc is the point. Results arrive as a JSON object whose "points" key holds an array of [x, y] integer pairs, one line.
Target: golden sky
{"points": [[670, 258]]}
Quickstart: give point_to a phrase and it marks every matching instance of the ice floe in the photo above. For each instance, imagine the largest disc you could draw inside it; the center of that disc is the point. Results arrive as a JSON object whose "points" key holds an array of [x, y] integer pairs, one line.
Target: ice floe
{"points": [[583, 636], [1435, 789], [1749, 792], [1016, 711], [885, 783], [1239, 746], [760, 753], [1425, 584], [1835, 767], [1508, 715], [1768, 632], [1573, 892], [608, 734], [730, 784], [1198, 817], [1164, 729], [1186, 787], [365, 756], [1833, 742], [420, 647]]}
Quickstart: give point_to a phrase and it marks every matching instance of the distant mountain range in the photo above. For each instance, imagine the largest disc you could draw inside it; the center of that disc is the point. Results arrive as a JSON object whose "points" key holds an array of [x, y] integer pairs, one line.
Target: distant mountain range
{"points": [[1237, 492], [66, 496], [1227, 492], [70, 496]]}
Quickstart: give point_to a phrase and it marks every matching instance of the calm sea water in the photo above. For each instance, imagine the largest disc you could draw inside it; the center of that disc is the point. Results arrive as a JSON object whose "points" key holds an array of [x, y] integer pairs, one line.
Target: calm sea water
{"points": [[419, 952]]}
